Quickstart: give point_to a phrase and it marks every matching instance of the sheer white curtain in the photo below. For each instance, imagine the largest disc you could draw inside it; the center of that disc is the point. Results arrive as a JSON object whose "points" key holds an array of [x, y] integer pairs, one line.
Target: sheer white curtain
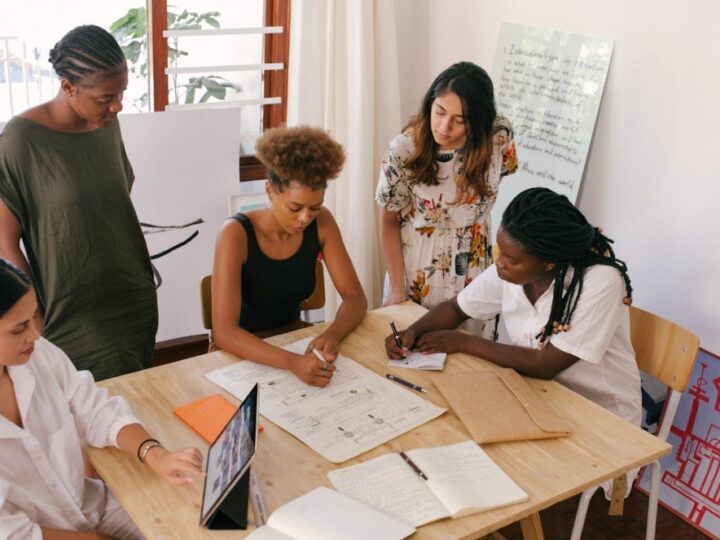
{"points": [[343, 76]]}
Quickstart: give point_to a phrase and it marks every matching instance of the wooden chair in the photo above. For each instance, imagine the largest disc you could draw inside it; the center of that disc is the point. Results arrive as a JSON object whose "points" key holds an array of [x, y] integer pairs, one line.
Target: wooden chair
{"points": [[667, 352], [315, 301]]}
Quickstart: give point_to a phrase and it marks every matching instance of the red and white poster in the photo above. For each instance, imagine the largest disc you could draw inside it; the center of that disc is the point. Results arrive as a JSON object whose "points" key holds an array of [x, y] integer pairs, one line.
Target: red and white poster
{"points": [[690, 477]]}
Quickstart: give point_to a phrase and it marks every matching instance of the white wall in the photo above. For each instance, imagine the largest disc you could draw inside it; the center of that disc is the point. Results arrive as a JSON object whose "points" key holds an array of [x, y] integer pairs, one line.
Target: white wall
{"points": [[186, 166], [652, 178]]}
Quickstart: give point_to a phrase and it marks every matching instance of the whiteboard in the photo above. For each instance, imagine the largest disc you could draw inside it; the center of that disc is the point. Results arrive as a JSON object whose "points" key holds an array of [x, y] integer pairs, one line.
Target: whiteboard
{"points": [[549, 83]]}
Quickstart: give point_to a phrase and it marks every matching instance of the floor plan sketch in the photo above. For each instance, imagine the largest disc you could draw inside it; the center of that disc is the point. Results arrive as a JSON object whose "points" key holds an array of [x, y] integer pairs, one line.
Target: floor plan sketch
{"points": [[356, 412]]}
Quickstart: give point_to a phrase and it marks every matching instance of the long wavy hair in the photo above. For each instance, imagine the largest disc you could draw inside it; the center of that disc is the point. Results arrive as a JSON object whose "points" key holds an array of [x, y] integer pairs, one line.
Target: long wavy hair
{"points": [[473, 86]]}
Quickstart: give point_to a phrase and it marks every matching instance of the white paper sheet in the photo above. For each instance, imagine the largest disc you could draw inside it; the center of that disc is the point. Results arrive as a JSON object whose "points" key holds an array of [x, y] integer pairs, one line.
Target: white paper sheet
{"points": [[415, 360], [390, 485], [325, 514], [356, 412]]}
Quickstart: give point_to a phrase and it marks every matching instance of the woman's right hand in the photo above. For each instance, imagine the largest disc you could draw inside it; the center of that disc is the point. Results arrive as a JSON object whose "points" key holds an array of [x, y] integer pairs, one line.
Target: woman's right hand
{"points": [[407, 339], [311, 370]]}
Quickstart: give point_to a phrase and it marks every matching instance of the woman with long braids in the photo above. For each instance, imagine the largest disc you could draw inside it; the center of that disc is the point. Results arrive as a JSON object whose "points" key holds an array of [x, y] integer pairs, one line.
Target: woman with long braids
{"points": [[48, 411], [65, 185], [438, 184], [563, 296]]}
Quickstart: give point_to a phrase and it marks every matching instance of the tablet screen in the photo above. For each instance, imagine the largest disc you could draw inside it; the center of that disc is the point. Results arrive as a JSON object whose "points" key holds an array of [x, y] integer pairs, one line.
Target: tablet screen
{"points": [[230, 455]]}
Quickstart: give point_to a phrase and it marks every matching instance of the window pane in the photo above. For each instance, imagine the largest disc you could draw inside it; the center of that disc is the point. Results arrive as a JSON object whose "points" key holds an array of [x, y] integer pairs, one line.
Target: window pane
{"points": [[208, 51], [36, 26]]}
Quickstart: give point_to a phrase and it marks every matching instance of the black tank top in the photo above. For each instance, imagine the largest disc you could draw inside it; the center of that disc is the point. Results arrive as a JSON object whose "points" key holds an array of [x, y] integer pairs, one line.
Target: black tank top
{"points": [[272, 289]]}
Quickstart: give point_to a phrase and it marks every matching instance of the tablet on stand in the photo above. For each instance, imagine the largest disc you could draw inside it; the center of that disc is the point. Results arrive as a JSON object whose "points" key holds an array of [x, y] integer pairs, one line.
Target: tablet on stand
{"points": [[227, 479]]}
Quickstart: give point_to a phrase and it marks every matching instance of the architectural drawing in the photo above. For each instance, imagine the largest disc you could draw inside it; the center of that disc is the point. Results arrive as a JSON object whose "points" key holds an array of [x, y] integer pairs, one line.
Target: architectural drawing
{"points": [[356, 412]]}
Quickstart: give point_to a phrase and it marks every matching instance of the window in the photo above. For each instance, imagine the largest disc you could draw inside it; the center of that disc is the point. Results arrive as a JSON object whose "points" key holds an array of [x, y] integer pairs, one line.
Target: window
{"points": [[243, 46], [262, 88], [28, 30]]}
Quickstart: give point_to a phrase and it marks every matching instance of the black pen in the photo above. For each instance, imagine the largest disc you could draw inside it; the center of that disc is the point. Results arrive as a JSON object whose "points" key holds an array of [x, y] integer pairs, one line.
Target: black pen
{"points": [[406, 383], [395, 333], [414, 467]]}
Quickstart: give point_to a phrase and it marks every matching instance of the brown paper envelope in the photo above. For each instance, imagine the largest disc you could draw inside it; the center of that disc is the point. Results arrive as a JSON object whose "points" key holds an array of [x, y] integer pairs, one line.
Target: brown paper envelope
{"points": [[499, 405]]}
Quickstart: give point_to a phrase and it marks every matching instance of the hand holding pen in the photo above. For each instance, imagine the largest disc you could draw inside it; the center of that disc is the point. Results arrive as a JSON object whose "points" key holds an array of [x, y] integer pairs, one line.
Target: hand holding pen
{"points": [[398, 344], [312, 368]]}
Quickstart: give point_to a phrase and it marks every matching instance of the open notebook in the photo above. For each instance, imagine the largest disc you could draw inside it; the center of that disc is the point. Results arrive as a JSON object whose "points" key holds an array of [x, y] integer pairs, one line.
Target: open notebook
{"points": [[461, 480], [325, 514]]}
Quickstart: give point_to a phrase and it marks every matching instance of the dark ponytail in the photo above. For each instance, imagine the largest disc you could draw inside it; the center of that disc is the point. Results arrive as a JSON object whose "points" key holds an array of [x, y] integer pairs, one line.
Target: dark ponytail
{"points": [[14, 284]]}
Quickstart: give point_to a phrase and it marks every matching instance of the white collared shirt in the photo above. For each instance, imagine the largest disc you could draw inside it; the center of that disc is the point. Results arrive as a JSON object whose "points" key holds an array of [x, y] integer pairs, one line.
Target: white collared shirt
{"points": [[599, 333], [42, 479]]}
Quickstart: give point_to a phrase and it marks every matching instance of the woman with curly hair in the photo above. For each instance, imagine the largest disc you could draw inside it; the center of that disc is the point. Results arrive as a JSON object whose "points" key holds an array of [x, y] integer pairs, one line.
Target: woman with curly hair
{"points": [[265, 259], [438, 184]]}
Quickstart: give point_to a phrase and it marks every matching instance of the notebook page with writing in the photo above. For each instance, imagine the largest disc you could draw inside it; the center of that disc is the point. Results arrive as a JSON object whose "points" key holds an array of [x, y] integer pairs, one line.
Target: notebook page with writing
{"points": [[325, 514], [477, 484], [416, 360], [390, 485]]}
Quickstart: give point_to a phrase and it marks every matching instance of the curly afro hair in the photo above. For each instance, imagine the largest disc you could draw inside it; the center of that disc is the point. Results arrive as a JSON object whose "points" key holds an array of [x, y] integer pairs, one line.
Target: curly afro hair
{"points": [[303, 154]]}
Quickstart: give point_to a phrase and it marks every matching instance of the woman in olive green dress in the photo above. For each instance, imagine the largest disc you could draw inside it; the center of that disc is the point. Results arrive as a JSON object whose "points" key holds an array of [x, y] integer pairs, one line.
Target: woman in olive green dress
{"points": [[65, 185]]}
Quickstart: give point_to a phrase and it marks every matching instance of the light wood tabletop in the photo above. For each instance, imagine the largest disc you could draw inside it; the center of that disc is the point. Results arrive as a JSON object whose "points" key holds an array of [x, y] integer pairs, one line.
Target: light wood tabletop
{"points": [[601, 445]]}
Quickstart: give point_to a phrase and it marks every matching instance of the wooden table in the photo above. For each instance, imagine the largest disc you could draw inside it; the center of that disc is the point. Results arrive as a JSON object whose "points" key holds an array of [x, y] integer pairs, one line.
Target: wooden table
{"points": [[600, 447]]}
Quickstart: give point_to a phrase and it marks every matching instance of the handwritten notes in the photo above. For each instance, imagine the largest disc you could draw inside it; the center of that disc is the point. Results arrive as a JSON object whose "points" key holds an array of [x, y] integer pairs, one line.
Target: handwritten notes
{"points": [[550, 84]]}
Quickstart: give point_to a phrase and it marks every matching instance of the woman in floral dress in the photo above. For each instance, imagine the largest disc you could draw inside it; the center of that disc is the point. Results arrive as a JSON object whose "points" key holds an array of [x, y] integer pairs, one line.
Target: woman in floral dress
{"points": [[438, 183]]}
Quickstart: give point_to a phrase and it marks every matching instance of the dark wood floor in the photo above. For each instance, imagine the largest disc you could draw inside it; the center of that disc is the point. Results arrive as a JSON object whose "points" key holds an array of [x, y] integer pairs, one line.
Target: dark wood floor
{"points": [[557, 522]]}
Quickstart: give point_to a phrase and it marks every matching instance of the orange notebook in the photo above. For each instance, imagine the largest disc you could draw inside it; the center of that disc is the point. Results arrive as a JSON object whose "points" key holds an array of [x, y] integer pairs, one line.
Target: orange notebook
{"points": [[207, 416]]}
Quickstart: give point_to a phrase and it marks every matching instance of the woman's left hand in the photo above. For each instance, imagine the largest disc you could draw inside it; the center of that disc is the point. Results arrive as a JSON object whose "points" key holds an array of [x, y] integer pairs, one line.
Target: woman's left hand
{"points": [[327, 345], [447, 341], [176, 467]]}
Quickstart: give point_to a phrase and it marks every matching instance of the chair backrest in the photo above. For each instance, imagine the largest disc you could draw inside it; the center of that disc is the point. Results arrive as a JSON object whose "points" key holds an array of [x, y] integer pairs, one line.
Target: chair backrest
{"points": [[206, 301], [663, 349], [315, 301]]}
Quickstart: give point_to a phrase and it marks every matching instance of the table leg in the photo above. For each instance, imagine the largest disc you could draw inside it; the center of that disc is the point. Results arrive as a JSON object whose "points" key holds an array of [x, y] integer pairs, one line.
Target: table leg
{"points": [[494, 536], [531, 527]]}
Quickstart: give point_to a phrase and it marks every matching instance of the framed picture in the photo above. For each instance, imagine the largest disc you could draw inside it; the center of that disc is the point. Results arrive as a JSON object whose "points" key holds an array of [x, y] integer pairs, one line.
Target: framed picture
{"points": [[690, 475], [243, 202]]}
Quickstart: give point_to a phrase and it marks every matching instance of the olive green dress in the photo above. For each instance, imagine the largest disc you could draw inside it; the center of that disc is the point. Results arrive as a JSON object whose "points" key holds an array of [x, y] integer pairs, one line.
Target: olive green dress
{"points": [[70, 192]]}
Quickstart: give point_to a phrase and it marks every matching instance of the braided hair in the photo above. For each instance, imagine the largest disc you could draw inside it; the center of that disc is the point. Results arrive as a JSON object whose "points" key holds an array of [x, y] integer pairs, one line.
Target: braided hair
{"points": [[552, 229], [86, 51]]}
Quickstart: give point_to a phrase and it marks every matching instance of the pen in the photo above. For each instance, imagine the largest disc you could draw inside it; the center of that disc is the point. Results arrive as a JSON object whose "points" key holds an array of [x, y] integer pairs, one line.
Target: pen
{"points": [[414, 467], [321, 358], [406, 383], [395, 333]]}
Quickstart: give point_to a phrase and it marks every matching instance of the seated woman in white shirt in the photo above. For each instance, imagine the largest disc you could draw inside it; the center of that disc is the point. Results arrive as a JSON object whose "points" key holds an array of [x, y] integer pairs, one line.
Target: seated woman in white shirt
{"points": [[46, 407], [563, 298]]}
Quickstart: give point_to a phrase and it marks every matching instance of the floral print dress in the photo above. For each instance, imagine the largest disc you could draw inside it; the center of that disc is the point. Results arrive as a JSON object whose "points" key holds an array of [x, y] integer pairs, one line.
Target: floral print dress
{"points": [[445, 242]]}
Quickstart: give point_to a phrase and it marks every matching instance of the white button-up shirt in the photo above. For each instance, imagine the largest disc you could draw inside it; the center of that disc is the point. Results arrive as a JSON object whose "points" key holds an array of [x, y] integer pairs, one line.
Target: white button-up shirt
{"points": [[42, 480], [599, 333]]}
